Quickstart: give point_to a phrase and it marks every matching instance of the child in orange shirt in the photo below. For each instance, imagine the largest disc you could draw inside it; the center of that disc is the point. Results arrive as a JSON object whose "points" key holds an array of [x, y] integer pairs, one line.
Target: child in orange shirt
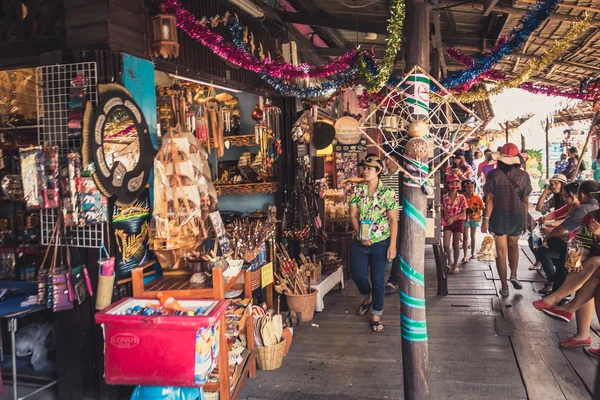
{"points": [[473, 221]]}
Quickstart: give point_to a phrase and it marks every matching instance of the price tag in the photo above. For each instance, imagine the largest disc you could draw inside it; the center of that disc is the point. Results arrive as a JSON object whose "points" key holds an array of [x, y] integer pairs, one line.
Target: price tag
{"points": [[266, 274]]}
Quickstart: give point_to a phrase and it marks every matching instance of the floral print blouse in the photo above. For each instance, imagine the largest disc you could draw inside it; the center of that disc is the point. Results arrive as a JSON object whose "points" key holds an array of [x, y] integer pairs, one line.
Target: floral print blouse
{"points": [[451, 208], [375, 208]]}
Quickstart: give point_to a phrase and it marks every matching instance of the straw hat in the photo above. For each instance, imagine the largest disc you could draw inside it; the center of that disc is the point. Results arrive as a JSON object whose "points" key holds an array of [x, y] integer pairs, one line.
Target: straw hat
{"points": [[509, 154], [556, 177]]}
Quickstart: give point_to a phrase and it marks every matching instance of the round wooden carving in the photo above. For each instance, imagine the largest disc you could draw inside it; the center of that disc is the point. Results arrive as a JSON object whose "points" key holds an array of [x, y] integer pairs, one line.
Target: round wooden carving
{"points": [[117, 141]]}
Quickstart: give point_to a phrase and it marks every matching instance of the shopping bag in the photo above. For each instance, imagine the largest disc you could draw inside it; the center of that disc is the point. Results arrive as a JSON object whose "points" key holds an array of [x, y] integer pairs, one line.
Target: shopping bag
{"points": [[487, 250]]}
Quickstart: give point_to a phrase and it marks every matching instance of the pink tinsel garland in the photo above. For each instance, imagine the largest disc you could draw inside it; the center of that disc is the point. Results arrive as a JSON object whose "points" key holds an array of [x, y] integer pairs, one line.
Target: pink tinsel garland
{"points": [[187, 22]]}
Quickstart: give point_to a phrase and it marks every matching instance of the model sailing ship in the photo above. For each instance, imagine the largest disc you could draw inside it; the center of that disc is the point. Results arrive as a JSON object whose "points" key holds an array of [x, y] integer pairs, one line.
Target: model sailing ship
{"points": [[183, 196]]}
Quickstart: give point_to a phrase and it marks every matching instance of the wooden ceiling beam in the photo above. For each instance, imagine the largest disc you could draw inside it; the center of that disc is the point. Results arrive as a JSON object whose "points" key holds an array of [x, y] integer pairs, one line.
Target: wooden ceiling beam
{"points": [[303, 42], [436, 41], [333, 35], [488, 6], [328, 21], [461, 6], [571, 6]]}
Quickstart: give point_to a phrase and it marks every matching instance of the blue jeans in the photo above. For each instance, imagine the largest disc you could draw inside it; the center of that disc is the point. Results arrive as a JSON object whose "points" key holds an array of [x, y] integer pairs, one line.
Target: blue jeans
{"points": [[376, 257]]}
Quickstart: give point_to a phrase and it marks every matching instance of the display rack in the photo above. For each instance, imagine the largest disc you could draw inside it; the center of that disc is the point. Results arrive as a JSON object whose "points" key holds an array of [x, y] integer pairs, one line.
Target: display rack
{"points": [[247, 188], [239, 140], [54, 84], [176, 284]]}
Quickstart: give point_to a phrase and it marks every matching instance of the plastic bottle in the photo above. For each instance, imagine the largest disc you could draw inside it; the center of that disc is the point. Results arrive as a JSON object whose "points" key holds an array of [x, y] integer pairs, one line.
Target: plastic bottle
{"points": [[169, 302]]}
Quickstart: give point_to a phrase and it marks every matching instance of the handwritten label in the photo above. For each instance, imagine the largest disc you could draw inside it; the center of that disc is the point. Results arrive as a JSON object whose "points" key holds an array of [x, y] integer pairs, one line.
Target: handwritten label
{"points": [[266, 274]]}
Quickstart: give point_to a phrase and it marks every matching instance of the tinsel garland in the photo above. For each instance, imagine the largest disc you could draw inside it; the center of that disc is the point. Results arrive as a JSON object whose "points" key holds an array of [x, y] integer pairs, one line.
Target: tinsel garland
{"points": [[376, 76], [284, 88], [529, 23], [326, 89], [528, 86], [532, 66], [187, 22]]}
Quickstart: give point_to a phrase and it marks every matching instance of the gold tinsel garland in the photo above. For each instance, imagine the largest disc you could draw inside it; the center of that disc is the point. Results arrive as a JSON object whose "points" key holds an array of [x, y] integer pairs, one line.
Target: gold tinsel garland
{"points": [[532, 66]]}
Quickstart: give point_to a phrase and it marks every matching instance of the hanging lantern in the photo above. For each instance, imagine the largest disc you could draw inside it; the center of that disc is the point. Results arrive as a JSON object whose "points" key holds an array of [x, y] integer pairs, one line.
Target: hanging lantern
{"points": [[165, 42]]}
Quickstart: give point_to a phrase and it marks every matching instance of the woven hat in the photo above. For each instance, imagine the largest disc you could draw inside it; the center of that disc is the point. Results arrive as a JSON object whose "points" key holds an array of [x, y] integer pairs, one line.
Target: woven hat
{"points": [[509, 154], [372, 161], [323, 134], [556, 177]]}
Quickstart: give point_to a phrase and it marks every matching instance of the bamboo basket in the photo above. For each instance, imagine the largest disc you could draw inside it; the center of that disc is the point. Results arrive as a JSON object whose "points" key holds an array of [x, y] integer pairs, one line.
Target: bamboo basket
{"points": [[303, 303], [270, 357]]}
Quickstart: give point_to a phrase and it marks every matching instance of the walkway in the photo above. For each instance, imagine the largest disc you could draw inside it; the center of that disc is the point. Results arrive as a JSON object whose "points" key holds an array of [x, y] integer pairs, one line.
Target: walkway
{"points": [[480, 347]]}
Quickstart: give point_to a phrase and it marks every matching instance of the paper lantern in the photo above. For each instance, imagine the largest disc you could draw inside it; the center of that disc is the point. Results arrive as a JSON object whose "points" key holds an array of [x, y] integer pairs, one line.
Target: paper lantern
{"points": [[416, 148], [418, 129], [346, 131], [165, 42]]}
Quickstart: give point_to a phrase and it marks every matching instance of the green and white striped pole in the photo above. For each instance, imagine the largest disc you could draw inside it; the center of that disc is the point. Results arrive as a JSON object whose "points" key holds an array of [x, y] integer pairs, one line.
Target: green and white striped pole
{"points": [[412, 256]]}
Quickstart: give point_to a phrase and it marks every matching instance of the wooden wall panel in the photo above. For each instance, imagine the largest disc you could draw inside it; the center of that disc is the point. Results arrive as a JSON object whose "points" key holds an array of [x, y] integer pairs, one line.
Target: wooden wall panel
{"points": [[86, 22], [127, 27]]}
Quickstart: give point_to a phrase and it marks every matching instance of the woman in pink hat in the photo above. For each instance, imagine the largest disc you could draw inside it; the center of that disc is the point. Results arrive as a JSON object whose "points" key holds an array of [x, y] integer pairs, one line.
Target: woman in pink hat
{"points": [[507, 191], [454, 212]]}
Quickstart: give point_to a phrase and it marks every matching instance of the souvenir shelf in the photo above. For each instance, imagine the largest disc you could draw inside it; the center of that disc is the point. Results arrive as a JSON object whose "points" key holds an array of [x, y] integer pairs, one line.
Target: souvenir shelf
{"points": [[247, 188], [239, 140], [176, 284]]}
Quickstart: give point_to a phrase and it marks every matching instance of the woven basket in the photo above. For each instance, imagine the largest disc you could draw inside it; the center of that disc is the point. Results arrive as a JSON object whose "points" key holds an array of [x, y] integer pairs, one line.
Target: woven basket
{"points": [[211, 395], [270, 357], [317, 275], [256, 279], [303, 303]]}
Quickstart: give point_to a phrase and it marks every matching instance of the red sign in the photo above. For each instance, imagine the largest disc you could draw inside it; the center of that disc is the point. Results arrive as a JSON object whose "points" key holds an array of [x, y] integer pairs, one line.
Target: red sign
{"points": [[125, 340]]}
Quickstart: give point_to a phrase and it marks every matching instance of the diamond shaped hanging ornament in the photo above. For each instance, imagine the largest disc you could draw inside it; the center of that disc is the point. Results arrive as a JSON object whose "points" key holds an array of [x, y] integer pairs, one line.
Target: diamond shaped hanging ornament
{"points": [[420, 123]]}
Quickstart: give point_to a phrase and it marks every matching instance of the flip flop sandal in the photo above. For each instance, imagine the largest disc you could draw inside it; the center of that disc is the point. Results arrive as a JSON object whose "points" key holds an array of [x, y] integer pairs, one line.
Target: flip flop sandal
{"points": [[390, 289], [364, 307], [534, 267], [456, 271], [375, 327]]}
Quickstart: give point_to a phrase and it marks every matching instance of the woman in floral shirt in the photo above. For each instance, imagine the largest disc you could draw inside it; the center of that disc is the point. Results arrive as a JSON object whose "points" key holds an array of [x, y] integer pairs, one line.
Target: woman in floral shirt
{"points": [[372, 203], [454, 206]]}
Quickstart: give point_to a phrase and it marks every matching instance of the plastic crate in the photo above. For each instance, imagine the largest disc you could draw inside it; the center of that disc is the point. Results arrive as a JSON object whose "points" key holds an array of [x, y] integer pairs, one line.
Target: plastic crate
{"points": [[160, 350]]}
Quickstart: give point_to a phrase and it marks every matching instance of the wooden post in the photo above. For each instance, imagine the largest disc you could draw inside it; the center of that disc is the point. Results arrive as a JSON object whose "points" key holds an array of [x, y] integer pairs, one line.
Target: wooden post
{"points": [[587, 141], [412, 229], [506, 131], [547, 148]]}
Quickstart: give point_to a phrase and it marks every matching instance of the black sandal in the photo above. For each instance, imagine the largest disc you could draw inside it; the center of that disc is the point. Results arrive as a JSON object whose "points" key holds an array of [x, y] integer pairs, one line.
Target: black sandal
{"points": [[375, 327], [364, 307]]}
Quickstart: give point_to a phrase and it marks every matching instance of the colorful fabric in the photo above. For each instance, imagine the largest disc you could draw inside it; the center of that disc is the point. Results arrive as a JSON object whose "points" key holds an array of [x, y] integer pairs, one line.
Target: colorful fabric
{"points": [[375, 208], [474, 207], [553, 202], [471, 224], [452, 208], [468, 172], [596, 169], [560, 213], [561, 166], [455, 227], [586, 236]]}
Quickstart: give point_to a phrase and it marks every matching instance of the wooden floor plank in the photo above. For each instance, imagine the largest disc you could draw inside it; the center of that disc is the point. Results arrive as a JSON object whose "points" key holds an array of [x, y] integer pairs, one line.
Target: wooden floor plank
{"points": [[480, 347]]}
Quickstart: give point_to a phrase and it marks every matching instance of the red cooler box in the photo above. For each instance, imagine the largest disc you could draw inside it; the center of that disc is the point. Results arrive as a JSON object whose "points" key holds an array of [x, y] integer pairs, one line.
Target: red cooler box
{"points": [[160, 350]]}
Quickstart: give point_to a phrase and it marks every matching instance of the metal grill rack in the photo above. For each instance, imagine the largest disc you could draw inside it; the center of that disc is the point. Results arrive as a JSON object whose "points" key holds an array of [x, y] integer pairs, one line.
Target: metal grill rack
{"points": [[54, 83]]}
